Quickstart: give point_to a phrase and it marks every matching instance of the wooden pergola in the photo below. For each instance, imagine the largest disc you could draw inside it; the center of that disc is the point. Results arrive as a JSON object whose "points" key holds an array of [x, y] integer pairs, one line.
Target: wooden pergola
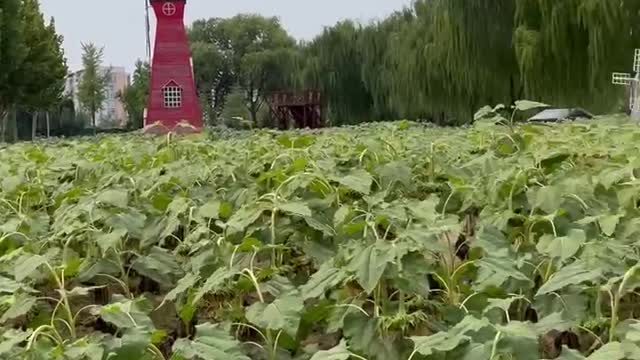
{"points": [[301, 109]]}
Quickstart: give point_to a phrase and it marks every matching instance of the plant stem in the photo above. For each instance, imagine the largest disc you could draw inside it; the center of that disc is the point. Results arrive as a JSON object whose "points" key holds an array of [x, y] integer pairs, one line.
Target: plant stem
{"points": [[494, 348], [155, 351], [65, 301], [273, 236], [547, 273], [615, 302]]}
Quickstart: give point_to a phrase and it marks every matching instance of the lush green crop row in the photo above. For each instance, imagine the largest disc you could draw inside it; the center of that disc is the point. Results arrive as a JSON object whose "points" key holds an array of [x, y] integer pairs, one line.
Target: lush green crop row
{"points": [[382, 242]]}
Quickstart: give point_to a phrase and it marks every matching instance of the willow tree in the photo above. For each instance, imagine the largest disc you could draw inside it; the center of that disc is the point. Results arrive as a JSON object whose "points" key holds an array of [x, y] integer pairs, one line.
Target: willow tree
{"points": [[377, 68], [454, 56], [439, 60], [568, 49], [331, 63]]}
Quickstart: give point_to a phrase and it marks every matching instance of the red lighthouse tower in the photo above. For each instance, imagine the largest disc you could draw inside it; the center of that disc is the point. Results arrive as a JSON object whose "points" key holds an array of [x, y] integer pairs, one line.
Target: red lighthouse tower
{"points": [[173, 101]]}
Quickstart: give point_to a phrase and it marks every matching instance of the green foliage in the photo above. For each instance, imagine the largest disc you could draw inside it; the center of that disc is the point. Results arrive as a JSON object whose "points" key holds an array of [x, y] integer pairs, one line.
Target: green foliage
{"points": [[13, 50], [135, 96], [94, 81], [33, 63], [251, 52], [43, 83], [387, 241]]}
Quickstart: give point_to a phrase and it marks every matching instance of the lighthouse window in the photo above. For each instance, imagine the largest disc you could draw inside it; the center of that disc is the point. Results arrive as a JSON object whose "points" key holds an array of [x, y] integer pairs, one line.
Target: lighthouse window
{"points": [[172, 96]]}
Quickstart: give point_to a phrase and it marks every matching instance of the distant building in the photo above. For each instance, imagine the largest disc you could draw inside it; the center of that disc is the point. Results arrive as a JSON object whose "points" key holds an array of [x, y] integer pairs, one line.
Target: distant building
{"points": [[113, 113]]}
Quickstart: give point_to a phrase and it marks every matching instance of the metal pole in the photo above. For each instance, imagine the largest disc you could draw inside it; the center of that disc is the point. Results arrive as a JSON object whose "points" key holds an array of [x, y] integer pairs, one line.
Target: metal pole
{"points": [[147, 30], [635, 101]]}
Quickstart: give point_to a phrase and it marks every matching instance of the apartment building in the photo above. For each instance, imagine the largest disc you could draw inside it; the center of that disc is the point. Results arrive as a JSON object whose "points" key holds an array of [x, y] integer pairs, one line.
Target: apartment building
{"points": [[113, 113]]}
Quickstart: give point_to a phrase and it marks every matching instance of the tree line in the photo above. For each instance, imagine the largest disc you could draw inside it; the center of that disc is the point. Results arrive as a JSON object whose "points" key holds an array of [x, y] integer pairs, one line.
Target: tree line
{"points": [[438, 60]]}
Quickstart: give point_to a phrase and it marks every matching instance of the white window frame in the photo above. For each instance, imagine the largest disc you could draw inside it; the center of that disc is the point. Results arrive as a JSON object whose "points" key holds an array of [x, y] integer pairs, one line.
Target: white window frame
{"points": [[172, 95]]}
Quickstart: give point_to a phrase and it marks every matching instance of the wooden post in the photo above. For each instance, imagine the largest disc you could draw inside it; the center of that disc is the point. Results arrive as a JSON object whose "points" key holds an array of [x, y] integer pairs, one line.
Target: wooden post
{"points": [[34, 125], [48, 125]]}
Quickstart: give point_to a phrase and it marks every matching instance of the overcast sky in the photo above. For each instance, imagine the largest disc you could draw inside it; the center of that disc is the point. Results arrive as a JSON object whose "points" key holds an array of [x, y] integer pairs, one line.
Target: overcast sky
{"points": [[118, 25]]}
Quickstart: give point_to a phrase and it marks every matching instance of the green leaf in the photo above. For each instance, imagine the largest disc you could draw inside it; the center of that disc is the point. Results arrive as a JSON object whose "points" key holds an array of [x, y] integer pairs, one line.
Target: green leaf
{"points": [[445, 341], [338, 352], [214, 282], [26, 265], [117, 198], [158, 265], [282, 314], [295, 208], [363, 336], [358, 180], [484, 111], [183, 285], [320, 225], [246, 216], [630, 281], [395, 172], [495, 271], [110, 240], [11, 183], [502, 304], [20, 306], [574, 274], [277, 285], [563, 247], [608, 223], [524, 105], [369, 264], [210, 342], [425, 211], [475, 351], [610, 351], [8, 286], [128, 314], [10, 338], [492, 240], [633, 332], [210, 210], [133, 345], [341, 215], [554, 321], [84, 350], [548, 198], [322, 280], [519, 329]]}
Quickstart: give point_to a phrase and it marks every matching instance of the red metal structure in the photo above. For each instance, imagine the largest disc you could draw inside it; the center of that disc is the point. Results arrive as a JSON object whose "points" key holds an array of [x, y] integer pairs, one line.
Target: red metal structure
{"points": [[173, 103], [302, 109]]}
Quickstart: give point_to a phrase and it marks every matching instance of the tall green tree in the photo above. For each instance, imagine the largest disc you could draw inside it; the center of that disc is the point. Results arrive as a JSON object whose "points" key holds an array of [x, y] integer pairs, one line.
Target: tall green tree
{"points": [[332, 63], [135, 96], [245, 51], [92, 91], [44, 64], [54, 93], [12, 53], [214, 77], [263, 72]]}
